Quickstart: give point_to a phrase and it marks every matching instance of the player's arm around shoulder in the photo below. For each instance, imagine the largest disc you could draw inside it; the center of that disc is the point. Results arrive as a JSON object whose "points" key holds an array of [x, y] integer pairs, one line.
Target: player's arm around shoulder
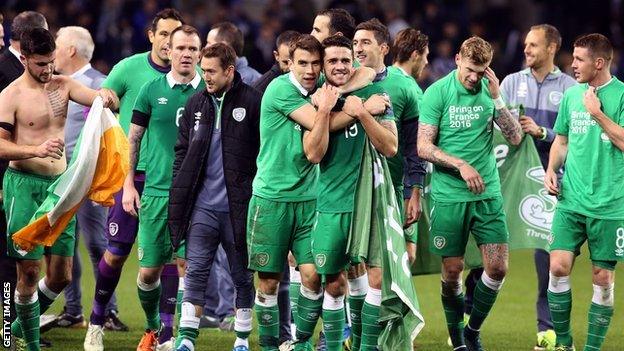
{"points": [[316, 139]]}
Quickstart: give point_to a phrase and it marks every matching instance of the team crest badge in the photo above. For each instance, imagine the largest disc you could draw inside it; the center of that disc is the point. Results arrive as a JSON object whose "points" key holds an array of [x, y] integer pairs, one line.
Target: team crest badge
{"points": [[321, 259], [239, 114], [262, 259], [113, 228], [439, 242], [19, 250]]}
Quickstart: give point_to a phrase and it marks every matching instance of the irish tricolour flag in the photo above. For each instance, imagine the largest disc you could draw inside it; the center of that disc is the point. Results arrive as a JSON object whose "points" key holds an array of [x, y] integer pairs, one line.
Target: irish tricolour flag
{"points": [[96, 171]]}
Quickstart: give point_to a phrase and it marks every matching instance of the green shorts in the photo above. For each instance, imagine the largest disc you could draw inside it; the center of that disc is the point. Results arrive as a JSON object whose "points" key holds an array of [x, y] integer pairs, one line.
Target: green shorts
{"points": [[155, 247], [181, 251], [329, 242], [274, 228], [411, 232], [451, 223], [605, 237], [23, 194]]}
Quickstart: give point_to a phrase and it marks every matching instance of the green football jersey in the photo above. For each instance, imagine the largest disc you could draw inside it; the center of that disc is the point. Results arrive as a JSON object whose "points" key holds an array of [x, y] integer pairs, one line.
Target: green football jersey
{"points": [[464, 119], [284, 173], [404, 95], [593, 181], [340, 167], [126, 79], [163, 100]]}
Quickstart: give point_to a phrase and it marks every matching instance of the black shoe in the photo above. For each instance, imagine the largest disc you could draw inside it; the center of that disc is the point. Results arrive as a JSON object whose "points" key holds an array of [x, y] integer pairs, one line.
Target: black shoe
{"points": [[113, 323], [43, 343], [208, 322], [472, 339], [65, 320]]}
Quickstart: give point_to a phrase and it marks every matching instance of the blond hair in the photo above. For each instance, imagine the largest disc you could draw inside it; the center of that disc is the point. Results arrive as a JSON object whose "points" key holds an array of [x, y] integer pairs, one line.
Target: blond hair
{"points": [[476, 50]]}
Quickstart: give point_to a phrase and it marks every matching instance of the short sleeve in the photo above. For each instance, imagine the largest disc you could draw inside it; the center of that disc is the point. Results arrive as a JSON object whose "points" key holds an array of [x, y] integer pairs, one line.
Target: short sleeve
{"points": [[562, 123], [431, 107], [142, 101], [116, 80], [410, 109], [283, 97]]}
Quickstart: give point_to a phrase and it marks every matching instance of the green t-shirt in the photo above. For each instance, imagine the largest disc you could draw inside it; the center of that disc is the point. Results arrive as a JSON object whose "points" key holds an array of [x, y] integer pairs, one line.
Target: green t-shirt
{"points": [[284, 173], [464, 119], [163, 101], [126, 79], [593, 180], [340, 167], [404, 95]]}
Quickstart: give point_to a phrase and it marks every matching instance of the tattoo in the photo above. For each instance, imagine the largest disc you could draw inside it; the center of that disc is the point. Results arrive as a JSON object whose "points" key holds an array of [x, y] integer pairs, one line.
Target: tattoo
{"points": [[495, 256], [509, 125], [59, 105], [427, 150], [136, 134], [389, 125]]}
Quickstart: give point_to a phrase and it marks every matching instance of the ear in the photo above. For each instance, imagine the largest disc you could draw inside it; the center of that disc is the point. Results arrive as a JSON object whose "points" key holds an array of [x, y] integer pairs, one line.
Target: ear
{"points": [[599, 63], [23, 60], [150, 36], [457, 59], [414, 56], [276, 55], [385, 48], [72, 51]]}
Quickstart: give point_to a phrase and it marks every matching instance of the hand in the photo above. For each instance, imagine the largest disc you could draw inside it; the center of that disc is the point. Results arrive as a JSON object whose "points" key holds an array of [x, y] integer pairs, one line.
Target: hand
{"points": [[131, 200], [493, 83], [353, 106], [591, 102], [108, 97], [377, 104], [50, 148], [530, 127], [411, 251], [327, 98], [314, 98], [413, 208], [473, 178], [551, 182]]}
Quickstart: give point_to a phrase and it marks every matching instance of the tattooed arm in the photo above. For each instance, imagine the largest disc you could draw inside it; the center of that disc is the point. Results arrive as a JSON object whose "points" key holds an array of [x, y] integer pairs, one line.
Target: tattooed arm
{"points": [[509, 125], [131, 200], [427, 150]]}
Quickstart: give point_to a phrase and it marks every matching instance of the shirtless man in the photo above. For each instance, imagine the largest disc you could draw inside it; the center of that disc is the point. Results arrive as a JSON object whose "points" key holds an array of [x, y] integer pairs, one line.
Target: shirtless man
{"points": [[33, 110]]}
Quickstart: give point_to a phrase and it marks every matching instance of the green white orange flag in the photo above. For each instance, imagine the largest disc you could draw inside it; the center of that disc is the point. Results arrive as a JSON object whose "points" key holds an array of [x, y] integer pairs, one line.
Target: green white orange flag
{"points": [[96, 172]]}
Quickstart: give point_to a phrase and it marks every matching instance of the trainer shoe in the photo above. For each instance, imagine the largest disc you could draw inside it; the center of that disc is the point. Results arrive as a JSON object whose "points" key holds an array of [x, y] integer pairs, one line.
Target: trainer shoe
{"points": [[17, 344], [227, 324], [46, 322], [94, 338], [472, 339], [466, 318], [286, 346], [66, 320], [148, 341], [208, 322], [346, 338], [564, 348], [113, 323], [321, 344], [240, 348], [183, 348], [168, 345], [43, 343], [546, 340]]}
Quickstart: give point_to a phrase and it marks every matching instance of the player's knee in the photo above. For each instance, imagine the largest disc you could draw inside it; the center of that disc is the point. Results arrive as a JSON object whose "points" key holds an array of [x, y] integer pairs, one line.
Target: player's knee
{"points": [[149, 276], [374, 277], [602, 277], [336, 285], [113, 260], [268, 286], [497, 272], [452, 271], [559, 268], [30, 276], [309, 277]]}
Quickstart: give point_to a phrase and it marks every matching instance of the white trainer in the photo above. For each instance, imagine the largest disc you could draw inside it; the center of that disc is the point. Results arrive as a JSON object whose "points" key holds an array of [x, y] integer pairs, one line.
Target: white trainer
{"points": [[94, 340]]}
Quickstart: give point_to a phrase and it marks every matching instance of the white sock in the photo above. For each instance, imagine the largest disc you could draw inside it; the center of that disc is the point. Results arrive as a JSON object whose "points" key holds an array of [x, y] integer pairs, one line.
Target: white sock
{"points": [[295, 275], [46, 291], [331, 303], [491, 283], [373, 297], [603, 295], [558, 284], [187, 316], [147, 287], [23, 299], [242, 323], [266, 300], [311, 294], [358, 286]]}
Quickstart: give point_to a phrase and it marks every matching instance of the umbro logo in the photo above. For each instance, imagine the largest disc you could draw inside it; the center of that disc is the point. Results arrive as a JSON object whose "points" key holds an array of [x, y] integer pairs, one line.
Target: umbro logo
{"points": [[198, 115], [162, 100]]}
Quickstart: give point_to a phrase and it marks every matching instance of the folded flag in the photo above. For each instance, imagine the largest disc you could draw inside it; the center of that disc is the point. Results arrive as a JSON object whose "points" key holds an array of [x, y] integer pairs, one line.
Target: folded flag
{"points": [[96, 172]]}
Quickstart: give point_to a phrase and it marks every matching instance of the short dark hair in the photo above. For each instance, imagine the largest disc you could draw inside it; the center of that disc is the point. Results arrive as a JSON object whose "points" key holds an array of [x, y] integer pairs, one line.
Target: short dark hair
{"points": [[24, 21], [308, 43], [223, 52], [597, 44], [340, 20], [339, 41], [382, 35], [167, 13], [37, 41], [229, 33], [286, 37], [551, 33], [407, 41], [186, 29]]}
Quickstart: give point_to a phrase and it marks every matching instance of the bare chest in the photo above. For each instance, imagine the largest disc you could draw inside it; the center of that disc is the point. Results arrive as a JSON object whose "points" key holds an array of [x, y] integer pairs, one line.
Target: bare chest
{"points": [[43, 109]]}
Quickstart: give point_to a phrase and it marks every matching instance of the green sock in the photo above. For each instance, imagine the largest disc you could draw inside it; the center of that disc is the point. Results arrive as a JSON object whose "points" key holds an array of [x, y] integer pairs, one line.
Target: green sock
{"points": [[454, 313], [560, 305], [44, 304], [308, 313], [333, 325], [190, 334], [355, 312], [179, 305], [599, 320], [482, 302], [370, 327], [150, 301], [29, 316], [293, 296], [268, 326]]}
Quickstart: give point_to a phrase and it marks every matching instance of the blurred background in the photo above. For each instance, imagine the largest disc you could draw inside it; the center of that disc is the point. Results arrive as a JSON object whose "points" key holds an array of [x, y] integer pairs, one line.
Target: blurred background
{"points": [[119, 26]]}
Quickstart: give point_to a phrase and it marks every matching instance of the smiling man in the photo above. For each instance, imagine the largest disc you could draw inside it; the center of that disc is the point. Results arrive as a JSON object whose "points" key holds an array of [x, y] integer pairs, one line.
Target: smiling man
{"points": [[455, 133], [590, 144]]}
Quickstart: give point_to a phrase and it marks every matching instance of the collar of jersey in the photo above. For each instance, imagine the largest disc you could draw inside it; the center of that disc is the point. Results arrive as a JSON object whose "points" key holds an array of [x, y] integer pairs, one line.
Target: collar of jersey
{"points": [[602, 86], [554, 74], [172, 82], [381, 75], [298, 85]]}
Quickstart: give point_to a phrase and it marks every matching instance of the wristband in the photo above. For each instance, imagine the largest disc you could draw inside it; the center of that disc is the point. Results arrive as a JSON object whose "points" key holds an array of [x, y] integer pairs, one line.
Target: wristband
{"points": [[499, 103], [544, 133]]}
